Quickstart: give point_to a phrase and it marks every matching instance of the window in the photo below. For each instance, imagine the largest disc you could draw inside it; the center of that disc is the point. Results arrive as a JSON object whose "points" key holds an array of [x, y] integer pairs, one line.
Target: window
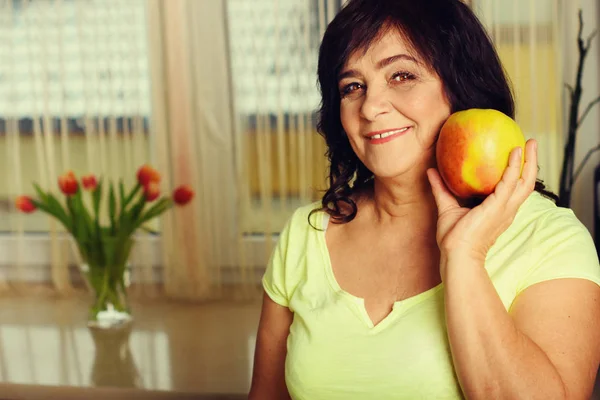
{"points": [[274, 52], [76, 71]]}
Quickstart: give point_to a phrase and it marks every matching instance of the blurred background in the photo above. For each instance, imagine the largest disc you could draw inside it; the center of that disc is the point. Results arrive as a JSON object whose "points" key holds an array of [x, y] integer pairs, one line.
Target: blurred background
{"points": [[222, 95]]}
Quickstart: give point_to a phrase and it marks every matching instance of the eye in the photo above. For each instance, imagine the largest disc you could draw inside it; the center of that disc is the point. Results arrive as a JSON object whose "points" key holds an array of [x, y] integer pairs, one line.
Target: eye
{"points": [[350, 88], [402, 76]]}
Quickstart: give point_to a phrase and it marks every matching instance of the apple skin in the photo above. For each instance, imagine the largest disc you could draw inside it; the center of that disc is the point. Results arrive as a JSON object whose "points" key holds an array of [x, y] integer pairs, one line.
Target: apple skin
{"points": [[473, 149]]}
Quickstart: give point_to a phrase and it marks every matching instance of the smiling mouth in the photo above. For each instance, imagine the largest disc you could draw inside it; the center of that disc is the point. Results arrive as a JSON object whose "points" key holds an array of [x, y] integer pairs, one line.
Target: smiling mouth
{"points": [[388, 134]]}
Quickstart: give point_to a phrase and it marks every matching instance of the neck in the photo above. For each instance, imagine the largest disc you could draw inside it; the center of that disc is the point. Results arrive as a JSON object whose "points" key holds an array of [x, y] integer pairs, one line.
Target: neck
{"points": [[406, 197]]}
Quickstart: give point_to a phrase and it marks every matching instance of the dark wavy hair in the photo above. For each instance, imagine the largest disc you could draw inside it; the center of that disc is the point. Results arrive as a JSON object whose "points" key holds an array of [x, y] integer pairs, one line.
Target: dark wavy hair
{"points": [[451, 41]]}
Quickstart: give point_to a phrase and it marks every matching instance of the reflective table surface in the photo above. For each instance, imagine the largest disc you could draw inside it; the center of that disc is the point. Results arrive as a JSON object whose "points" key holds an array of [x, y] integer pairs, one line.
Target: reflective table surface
{"points": [[169, 347]]}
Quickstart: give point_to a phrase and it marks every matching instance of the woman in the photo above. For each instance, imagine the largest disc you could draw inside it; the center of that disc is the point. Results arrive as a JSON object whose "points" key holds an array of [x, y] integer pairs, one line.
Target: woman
{"points": [[399, 292]]}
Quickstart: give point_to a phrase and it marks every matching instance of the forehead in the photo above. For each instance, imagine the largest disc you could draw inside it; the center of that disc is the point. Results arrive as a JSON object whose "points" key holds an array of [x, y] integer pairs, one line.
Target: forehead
{"points": [[387, 43]]}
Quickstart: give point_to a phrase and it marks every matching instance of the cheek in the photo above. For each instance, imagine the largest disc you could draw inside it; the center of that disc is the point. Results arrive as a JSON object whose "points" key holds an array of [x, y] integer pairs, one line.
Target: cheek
{"points": [[445, 112], [445, 106], [441, 113], [430, 111], [427, 105], [435, 108]]}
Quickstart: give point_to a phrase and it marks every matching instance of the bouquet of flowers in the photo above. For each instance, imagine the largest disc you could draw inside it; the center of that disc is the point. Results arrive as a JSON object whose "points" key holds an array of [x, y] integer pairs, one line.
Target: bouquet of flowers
{"points": [[104, 240]]}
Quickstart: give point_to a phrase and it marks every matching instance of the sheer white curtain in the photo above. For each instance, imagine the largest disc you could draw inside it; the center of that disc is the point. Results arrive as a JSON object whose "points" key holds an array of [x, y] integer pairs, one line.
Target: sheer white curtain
{"points": [[238, 120], [528, 36], [274, 50], [194, 143]]}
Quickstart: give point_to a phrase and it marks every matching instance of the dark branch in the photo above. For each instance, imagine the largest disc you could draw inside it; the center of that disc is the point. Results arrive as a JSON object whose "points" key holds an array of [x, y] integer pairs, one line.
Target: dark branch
{"points": [[567, 177], [579, 35], [569, 88], [587, 110], [585, 159]]}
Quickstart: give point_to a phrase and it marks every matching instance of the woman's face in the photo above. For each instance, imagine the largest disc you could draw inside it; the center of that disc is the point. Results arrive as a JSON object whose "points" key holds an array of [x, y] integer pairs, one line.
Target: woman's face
{"points": [[392, 107]]}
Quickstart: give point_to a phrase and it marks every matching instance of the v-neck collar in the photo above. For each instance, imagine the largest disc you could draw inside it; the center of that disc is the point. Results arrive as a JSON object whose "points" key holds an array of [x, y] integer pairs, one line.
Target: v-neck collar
{"points": [[398, 307]]}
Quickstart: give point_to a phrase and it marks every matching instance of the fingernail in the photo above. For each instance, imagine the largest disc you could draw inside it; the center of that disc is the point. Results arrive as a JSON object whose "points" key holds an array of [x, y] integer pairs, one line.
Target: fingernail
{"points": [[519, 152]]}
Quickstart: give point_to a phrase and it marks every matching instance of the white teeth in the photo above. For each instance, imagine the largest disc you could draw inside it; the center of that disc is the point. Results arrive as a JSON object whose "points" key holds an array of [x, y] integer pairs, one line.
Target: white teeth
{"points": [[386, 134]]}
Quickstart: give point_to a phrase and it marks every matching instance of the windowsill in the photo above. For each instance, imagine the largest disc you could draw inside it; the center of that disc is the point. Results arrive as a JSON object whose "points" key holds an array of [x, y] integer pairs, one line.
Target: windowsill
{"points": [[27, 258]]}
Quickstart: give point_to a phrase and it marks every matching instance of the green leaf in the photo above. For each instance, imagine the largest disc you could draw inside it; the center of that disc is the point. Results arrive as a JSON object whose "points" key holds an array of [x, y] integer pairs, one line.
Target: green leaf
{"points": [[78, 225], [121, 194], [48, 210], [110, 252], [146, 229], [96, 198], [134, 191], [161, 206], [41, 194], [84, 215], [135, 212], [59, 210], [112, 207], [130, 218], [49, 204], [121, 201]]}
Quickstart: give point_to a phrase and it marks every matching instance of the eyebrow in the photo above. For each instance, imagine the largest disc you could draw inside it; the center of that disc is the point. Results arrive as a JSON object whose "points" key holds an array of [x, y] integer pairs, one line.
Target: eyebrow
{"points": [[381, 64]]}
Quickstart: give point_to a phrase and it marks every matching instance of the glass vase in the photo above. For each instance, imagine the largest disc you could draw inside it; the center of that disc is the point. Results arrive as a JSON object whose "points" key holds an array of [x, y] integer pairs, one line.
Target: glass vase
{"points": [[114, 365], [106, 270]]}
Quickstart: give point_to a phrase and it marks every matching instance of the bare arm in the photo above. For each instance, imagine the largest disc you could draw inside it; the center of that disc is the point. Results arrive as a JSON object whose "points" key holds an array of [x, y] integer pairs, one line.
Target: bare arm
{"points": [[562, 317], [547, 347], [268, 377]]}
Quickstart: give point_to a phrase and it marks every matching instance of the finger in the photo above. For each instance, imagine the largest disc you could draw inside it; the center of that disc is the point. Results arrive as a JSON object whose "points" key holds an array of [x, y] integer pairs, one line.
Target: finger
{"points": [[444, 199], [530, 169], [510, 178]]}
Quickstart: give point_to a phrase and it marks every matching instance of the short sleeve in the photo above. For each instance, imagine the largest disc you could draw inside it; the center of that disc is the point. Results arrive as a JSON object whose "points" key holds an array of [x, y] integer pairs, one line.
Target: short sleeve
{"points": [[563, 248], [274, 279]]}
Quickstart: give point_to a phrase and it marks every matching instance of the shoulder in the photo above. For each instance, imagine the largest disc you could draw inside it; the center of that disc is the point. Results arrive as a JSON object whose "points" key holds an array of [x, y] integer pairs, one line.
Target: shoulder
{"points": [[560, 246], [550, 222], [308, 214], [298, 233], [287, 265], [539, 218], [304, 220], [544, 242]]}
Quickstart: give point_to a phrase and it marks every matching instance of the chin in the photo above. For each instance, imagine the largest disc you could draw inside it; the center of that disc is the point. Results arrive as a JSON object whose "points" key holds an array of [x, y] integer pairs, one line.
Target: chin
{"points": [[388, 173], [395, 170]]}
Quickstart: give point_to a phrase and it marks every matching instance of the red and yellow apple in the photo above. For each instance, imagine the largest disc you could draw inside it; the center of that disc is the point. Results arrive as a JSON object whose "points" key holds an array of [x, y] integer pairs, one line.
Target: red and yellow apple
{"points": [[473, 149]]}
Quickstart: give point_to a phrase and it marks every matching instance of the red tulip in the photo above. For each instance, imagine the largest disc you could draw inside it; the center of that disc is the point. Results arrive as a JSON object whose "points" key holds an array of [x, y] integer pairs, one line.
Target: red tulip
{"points": [[68, 183], [89, 182], [25, 204], [182, 195], [151, 191], [147, 174]]}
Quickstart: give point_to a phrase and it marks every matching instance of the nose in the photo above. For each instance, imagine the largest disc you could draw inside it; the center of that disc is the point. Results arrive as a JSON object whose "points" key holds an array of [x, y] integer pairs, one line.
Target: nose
{"points": [[375, 103]]}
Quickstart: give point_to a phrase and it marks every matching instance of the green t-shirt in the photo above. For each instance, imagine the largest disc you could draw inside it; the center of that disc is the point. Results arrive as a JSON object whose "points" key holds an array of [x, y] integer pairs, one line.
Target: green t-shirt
{"points": [[335, 352]]}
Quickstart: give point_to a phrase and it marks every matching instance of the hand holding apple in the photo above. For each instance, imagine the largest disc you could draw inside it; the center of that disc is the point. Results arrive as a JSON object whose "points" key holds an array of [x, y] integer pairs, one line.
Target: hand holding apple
{"points": [[471, 232]]}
